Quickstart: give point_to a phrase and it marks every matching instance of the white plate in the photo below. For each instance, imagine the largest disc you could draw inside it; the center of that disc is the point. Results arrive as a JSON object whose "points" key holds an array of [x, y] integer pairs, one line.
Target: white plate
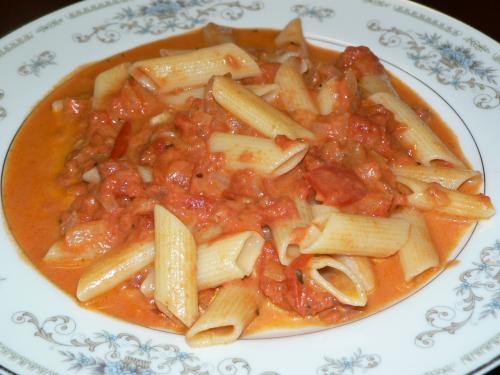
{"points": [[450, 326]]}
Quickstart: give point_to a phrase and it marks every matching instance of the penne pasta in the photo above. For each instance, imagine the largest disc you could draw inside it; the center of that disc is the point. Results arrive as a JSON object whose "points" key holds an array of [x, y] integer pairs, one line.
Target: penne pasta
{"points": [[109, 83], [418, 254], [195, 68], [214, 34], [293, 90], [434, 197], [321, 212], [417, 135], [180, 100], [230, 312], [260, 154], [283, 230], [381, 237], [110, 271], [229, 258], [253, 110], [338, 279], [327, 96], [263, 89], [292, 35], [362, 267], [176, 289], [450, 178], [80, 245], [372, 84], [148, 284]]}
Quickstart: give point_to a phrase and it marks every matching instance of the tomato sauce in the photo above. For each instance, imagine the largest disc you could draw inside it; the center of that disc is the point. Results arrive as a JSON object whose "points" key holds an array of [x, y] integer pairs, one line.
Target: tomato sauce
{"points": [[44, 146]]}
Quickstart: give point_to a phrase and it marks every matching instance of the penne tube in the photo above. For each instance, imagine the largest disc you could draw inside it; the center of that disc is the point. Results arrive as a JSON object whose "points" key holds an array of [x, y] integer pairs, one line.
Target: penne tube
{"points": [[356, 235], [293, 90], [263, 89], [283, 232], [293, 35], [361, 266], [450, 178], [229, 258], [231, 311], [176, 290], [338, 279], [321, 212], [418, 254], [180, 100], [260, 154], [148, 284], [253, 110], [109, 83], [110, 271], [417, 135], [214, 34], [81, 244], [327, 96], [195, 68], [371, 84], [434, 197]]}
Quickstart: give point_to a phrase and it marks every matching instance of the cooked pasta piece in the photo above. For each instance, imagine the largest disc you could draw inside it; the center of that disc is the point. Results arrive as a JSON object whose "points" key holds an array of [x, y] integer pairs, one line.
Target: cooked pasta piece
{"points": [[230, 312], [327, 96], [321, 212], [109, 83], [229, 258], [340, 234], [255, 111], [417, 135], [418, 254], [264, 89], [260, 154], [435, 197], [338, 279], [180, 100], [371, 84], [80, 245], [148, 284], [195, 68], [214, 34], [450, 178], [292, 35], [363, 267], [176, 289], [109, 271], [282, 232], [293, 90]]}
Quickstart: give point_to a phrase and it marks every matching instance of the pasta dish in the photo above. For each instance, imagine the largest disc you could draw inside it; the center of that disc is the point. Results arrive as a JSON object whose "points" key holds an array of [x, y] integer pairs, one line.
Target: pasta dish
{"points": [[227, 182]]}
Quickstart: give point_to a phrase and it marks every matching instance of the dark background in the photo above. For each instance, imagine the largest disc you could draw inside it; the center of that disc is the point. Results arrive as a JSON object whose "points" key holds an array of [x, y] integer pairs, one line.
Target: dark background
{"points": [[483, 15]]}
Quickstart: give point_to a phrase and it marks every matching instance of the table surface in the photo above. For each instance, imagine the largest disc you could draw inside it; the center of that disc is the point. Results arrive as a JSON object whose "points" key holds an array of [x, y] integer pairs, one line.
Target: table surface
{"points": [[483, 16]]}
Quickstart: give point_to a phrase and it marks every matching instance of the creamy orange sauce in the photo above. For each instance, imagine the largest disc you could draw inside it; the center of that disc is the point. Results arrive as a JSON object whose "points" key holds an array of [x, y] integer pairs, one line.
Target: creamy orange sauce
{"points": [[33, 201]]}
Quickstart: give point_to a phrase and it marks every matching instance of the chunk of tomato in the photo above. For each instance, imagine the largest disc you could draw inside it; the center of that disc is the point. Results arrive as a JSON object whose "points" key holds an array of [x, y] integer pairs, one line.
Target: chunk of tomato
{"points": [[337, 186]]}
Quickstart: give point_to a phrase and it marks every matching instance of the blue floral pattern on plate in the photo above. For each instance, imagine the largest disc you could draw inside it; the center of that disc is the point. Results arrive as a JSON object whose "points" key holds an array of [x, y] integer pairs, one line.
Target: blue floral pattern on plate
{"points": [[450, 64], [160, 16]]}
